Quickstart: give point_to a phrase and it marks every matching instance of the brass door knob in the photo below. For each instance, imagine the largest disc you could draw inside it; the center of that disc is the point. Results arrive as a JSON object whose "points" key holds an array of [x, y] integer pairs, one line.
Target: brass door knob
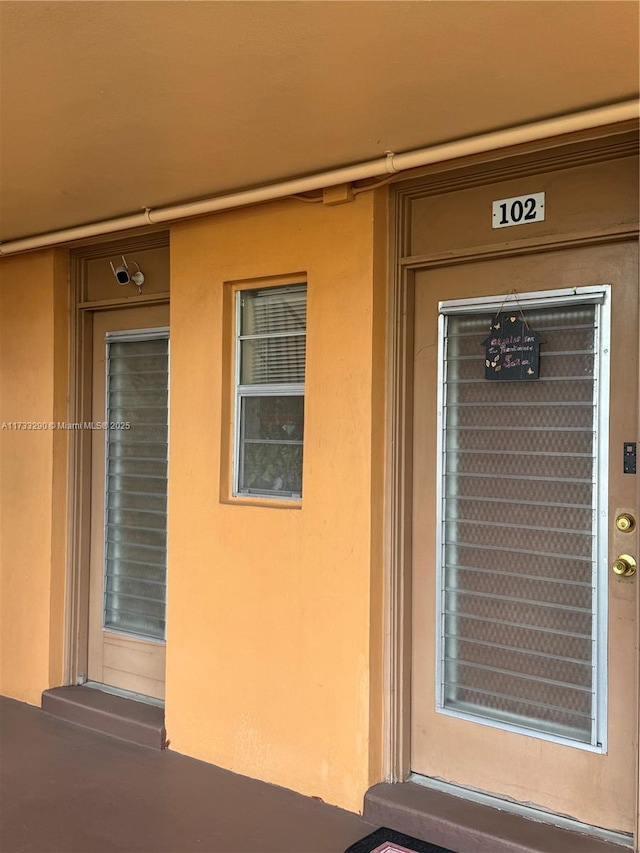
{"points": [[624, 565], [625, 522]]}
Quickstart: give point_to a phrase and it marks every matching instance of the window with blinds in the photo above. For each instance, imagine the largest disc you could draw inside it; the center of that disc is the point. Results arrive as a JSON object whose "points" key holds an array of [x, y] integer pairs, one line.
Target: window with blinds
{"points": [[270, 371], [519, 639], [136, 486]]}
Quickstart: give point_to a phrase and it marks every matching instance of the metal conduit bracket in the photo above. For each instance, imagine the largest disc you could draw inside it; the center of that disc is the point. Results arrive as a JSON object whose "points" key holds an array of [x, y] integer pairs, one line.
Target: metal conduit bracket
{"points": [[391, 169]]}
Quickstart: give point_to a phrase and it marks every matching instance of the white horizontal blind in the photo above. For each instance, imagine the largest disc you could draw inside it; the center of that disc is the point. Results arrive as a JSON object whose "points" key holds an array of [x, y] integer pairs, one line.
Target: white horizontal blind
{"points": [[518, 528], [273, 336], [136, 492], [271, 352]]}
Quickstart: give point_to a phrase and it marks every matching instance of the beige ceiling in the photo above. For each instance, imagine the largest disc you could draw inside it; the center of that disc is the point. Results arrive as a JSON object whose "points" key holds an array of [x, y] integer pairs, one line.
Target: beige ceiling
{"points": [[110, 107]]}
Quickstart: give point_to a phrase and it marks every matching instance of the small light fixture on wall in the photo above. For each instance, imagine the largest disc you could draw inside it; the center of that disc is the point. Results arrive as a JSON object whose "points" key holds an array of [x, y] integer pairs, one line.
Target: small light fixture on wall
{"points": [[123, 276]]}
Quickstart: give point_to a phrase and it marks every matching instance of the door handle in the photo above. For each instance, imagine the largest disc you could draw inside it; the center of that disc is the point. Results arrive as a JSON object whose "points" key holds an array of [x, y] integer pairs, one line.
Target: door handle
{"points": [[624, 565]]}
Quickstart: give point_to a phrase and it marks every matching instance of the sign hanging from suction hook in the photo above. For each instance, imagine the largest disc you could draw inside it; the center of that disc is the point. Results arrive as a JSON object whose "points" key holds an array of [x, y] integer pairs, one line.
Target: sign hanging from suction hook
{"points": [[512, 350]]}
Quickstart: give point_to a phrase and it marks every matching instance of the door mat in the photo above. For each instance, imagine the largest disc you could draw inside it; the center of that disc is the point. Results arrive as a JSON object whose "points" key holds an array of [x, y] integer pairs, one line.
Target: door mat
{"points": [[389, 841]]}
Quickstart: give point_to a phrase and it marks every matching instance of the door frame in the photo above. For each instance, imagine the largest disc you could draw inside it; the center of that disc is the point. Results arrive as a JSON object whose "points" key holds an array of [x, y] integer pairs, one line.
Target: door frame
{"points": [[598, 145], [83, 309]]}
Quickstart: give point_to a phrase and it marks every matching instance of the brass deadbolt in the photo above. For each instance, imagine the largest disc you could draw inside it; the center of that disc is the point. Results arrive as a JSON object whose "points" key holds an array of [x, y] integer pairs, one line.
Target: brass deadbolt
{"points": [[625, 566], [625, 522]]}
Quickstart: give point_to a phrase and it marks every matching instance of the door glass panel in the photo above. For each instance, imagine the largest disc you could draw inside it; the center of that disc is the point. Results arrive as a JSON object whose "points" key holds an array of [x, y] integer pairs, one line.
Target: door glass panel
{"points": [[518, 551], [136, 491]]}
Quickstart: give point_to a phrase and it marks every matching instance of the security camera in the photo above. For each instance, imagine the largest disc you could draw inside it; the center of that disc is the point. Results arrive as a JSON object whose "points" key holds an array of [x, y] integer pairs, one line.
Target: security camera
{"points": [[121, 272], [123, 276]]}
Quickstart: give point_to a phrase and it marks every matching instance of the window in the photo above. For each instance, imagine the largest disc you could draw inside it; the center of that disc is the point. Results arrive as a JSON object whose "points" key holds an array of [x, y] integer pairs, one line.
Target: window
{"points": [[522, 537], [269, 406]]}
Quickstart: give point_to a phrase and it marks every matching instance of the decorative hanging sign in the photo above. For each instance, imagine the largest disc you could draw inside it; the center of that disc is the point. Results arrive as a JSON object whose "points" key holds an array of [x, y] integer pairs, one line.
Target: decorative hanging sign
{"points": [[512, 349]]}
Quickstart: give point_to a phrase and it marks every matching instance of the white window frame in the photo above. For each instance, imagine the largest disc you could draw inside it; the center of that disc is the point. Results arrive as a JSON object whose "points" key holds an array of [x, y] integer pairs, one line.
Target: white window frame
{"points": [[126, 336], [279, 389], [601, 296]]}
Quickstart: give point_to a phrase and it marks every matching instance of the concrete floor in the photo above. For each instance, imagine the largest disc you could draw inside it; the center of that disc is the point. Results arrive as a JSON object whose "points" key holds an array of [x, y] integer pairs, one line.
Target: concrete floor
{"points": [[66, 789]]}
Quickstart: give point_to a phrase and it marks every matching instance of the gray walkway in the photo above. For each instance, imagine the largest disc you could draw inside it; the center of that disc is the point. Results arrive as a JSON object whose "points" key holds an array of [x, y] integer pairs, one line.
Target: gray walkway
{"points": [[66, 789]]}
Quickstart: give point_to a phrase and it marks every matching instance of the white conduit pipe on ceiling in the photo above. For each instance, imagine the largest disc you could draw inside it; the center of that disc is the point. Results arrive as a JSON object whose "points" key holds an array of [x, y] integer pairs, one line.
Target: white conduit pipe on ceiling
{"points": [[390, 164]]}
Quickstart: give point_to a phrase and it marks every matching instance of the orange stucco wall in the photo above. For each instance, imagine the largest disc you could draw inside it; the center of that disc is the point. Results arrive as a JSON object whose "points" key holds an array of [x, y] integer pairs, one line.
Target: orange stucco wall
{"points": [[274, 647], [33, 471], [274, 614]]}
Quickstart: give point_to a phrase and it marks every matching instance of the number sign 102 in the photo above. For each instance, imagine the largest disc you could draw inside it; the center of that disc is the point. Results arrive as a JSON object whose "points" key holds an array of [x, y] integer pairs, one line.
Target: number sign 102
{"points": [[519, 210]]}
